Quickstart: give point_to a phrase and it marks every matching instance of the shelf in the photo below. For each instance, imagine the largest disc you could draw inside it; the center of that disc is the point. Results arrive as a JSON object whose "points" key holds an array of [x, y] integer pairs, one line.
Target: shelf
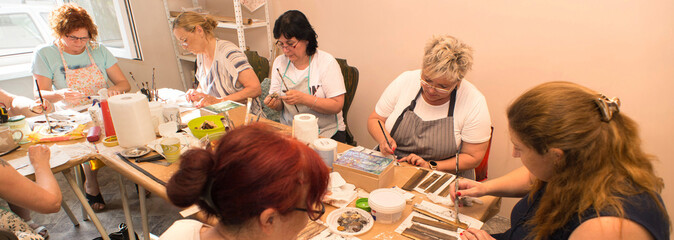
{"points": [[232, 25]]}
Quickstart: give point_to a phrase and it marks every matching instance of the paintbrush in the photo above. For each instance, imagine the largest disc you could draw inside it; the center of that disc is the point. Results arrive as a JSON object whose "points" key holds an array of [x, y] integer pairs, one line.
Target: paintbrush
{"points": [[456, 184], [153, 91], [384, 132], [43, 108], [284, 84], [134, 80], [247, 111]]}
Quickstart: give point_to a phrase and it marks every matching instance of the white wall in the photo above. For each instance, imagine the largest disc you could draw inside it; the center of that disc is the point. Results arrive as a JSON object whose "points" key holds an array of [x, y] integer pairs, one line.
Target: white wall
{"points": [[621, 48]]}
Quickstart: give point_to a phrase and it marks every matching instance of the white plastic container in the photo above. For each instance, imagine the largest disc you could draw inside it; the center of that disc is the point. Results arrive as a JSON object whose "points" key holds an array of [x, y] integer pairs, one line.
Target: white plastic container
{"points": [[387, 205]]}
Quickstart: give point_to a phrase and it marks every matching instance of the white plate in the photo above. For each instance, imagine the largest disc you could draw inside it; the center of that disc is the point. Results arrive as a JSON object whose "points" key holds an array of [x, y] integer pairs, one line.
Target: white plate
{"points": [[135, 152], [332, 218]]}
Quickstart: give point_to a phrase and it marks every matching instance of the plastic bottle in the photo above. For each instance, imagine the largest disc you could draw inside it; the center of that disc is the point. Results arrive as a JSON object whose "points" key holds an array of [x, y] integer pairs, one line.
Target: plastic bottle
{"points": [[107, 119]]}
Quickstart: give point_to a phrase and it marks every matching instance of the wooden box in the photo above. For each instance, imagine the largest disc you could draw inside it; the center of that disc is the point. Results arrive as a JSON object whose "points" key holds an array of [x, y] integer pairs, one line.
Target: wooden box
{"points": [[354, 168]]}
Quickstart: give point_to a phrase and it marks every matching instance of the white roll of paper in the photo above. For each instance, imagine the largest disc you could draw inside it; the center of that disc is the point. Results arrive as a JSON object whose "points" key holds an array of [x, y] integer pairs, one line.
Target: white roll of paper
{"points": [[327, 149], [132, 120], [305, 128]]}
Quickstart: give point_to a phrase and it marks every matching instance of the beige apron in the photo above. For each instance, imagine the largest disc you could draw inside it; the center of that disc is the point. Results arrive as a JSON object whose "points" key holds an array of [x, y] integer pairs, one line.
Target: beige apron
{"points": [[430, 140], [87, 80]]}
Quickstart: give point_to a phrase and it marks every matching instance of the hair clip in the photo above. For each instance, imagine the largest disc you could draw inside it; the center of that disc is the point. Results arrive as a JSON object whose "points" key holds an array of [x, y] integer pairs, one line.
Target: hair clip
{"points": [[208, 199], [607, 107]]}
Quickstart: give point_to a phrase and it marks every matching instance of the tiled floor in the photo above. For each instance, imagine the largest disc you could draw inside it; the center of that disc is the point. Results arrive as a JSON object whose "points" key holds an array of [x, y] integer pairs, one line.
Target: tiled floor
{"points": [[160, 213]]}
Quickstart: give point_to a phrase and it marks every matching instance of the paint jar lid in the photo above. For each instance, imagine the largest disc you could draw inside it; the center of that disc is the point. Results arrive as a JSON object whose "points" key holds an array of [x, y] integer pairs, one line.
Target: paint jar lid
{"points": [[362, 204], [387, 201], [17, 118]]}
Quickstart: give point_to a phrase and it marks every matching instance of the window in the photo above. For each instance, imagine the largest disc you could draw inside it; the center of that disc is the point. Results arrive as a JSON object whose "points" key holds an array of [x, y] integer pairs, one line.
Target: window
{"points": [[24, 26]]}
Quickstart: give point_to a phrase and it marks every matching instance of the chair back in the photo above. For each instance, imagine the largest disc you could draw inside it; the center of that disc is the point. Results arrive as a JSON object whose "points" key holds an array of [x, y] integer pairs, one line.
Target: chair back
{"points": [[260, 64], [351, 83], [481, 170]]}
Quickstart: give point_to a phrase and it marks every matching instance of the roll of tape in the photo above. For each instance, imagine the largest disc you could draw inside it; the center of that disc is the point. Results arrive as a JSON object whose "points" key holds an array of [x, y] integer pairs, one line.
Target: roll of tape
{"points": [[110, 141]]}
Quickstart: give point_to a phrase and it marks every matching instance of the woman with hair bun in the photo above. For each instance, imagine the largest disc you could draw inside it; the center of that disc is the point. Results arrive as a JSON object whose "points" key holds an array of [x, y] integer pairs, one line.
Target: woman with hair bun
{"points": [[585, 175], [257, 183], [223, 70]]}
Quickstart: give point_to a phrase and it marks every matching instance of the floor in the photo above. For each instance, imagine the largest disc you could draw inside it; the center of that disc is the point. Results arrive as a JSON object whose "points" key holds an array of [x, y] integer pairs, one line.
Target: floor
{"points": [[161, 214]]}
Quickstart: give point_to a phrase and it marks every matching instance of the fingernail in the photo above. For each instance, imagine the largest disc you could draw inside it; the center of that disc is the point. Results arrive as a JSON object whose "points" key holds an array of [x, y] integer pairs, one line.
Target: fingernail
{"points": [[458, 193], [460, 233]]}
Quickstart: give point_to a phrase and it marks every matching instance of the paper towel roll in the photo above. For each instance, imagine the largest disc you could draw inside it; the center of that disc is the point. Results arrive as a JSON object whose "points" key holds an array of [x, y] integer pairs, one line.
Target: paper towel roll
{"points": [[327, 149], [305, 128], [132, 120]]}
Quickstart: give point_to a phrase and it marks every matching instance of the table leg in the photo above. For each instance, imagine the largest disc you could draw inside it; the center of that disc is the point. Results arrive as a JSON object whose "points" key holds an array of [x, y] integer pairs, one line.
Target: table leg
{"points": [[125, 206], [85, 204], [69, 213], [143, 212], [80, 182]]}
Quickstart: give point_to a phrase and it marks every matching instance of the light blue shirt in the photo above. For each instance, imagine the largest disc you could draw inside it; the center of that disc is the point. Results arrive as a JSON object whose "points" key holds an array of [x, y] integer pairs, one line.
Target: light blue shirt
{"points": [[47, 62]]}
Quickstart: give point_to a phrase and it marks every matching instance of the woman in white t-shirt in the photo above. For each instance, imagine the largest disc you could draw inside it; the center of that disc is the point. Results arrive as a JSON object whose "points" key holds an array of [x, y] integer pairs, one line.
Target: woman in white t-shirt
{"points": [[306, 79], [434, 113], [223, 70]]}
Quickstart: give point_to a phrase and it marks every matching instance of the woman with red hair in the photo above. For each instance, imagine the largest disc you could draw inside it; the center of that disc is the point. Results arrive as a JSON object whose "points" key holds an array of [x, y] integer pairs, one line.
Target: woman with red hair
{"points": [[258, 184]]}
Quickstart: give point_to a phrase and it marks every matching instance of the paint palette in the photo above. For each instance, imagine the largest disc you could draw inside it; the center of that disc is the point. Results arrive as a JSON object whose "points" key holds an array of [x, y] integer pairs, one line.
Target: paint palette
{"points": [[363, 161]]}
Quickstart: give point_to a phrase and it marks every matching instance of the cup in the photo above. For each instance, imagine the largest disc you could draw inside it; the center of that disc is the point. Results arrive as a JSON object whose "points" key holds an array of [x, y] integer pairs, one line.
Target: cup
{"points": [[8, 139], [171, 149], [327, 149], [171, 113]]}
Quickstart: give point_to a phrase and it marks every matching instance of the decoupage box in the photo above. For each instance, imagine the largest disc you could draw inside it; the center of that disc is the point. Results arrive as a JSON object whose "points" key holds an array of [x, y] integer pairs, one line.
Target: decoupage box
{"points": [[365, 170]]}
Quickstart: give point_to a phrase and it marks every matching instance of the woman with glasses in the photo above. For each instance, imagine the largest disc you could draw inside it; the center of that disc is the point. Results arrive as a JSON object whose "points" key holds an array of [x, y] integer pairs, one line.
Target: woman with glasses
{"points": [[223, 70], [585, 174], [433, 114], [76, 66], [306, 79], [257, 184]]}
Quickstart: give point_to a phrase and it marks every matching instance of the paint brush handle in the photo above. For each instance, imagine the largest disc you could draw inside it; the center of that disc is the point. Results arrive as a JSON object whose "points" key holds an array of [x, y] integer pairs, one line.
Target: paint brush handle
{"points": [[384, 132]]}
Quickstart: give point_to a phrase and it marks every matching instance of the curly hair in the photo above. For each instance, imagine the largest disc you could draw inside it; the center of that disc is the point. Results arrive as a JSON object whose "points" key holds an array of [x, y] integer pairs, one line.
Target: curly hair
{"points": [[447, 57], [70, 17], [602, 160]]}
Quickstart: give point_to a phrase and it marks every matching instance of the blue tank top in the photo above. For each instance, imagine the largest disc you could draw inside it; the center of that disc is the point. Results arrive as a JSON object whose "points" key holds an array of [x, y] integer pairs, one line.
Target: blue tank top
{"points": [[640, 208]]}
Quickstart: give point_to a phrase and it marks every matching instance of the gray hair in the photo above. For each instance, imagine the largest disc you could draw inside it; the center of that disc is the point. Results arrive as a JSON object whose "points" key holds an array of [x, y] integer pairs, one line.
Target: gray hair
{"points": [[447, 57]]}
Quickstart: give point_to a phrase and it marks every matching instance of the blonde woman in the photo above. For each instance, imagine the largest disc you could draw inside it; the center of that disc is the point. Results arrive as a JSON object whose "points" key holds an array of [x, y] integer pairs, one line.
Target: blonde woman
{"points": [[585, 175], [223, 70], [434, 113]]}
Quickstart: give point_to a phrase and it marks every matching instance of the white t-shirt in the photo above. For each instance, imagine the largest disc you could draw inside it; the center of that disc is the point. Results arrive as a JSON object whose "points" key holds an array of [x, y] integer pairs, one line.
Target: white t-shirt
{"points": [[184, 229], [326, 77], [472, 123]]}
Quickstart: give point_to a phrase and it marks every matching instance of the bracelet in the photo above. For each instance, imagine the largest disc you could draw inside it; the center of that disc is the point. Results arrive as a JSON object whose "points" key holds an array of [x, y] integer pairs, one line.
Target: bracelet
{"points": [[314, 104]]}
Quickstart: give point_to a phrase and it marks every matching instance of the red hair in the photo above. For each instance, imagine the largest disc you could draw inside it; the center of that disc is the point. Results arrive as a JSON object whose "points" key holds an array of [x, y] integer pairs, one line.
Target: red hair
{"points": [[70, 17], [253, 168]]}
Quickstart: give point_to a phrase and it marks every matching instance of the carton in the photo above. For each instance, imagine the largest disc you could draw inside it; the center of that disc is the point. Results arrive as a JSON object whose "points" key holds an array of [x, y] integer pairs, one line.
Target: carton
{"points": [[366, 171]]}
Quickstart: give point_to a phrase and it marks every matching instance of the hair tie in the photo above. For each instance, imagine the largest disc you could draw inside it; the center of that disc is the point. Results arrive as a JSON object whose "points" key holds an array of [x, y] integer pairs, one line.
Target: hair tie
{"points": [[607, 107], [206, 197]]}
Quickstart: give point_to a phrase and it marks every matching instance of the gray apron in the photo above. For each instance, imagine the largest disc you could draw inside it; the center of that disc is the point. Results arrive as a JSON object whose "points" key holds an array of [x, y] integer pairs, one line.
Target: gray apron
{"points": [[430, 140], [327, 123]]}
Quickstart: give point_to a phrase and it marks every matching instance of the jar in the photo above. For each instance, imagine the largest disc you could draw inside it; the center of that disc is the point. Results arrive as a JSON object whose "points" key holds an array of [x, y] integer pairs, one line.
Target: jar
{"points": [[18, 122]]}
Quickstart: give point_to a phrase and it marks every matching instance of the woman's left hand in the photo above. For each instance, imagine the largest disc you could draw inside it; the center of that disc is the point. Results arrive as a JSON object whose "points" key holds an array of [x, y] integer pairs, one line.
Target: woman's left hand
{"points": [[472, 233], [207, 100], [294, 97], [415, 160], [39, 108]]}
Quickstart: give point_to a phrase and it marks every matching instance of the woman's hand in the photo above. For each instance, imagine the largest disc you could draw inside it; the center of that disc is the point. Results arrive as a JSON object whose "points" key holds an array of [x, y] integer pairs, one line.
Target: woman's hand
{"points": [[294, 97], [194, 95], [207, 100], [273, 102], [472, 233], [70, 95], [39, 108], [467, 188], [385, 149], [39, 156], [414, 160]]}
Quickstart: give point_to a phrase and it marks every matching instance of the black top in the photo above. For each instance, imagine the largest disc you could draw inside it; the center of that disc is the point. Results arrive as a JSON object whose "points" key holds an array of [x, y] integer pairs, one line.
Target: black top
{"points": [[641, 209]]}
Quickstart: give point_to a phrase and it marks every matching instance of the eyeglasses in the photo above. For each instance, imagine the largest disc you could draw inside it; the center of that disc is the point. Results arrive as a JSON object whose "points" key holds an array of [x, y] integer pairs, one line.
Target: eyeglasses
{"points": [[73, 38], [282, 45], [183, 41], [315, 213], [441, 90]]}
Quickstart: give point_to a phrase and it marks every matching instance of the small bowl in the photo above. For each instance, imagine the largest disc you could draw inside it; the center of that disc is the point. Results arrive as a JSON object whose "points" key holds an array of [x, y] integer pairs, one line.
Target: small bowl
{"points": [[195, 124], [362, 204]]}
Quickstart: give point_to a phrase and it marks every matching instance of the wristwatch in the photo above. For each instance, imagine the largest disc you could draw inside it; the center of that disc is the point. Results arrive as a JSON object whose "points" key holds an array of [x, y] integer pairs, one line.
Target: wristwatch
{"points": [[433, 165]]}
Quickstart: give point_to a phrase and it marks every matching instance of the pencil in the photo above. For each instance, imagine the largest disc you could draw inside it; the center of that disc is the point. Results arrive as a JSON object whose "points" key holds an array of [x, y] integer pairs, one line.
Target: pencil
{"points": [[42, 101]]}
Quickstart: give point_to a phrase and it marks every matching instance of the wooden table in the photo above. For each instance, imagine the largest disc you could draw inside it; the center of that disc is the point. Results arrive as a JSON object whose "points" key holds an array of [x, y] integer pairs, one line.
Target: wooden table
{"points": [[164, 173], [75, 185]]}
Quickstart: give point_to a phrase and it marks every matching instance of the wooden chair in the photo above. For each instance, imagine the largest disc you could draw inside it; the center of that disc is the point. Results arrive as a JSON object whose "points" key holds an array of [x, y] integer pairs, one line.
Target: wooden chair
{"points": [[260, 64], [351, 83], [481, 170]]}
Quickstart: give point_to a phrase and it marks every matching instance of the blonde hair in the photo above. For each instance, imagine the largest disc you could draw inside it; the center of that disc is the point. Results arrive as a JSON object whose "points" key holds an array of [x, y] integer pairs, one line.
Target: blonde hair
{"points": [[447, 57], [602, 161], [188, 21]]}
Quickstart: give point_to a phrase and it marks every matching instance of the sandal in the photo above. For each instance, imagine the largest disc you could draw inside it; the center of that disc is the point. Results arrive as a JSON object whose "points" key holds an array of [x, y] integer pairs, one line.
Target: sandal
{"points": [[40, 230], [93, 200]]}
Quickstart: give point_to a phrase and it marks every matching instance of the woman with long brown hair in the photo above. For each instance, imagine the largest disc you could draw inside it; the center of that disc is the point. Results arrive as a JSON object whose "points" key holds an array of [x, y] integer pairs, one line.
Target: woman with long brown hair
{"points": [[585, 175]]}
